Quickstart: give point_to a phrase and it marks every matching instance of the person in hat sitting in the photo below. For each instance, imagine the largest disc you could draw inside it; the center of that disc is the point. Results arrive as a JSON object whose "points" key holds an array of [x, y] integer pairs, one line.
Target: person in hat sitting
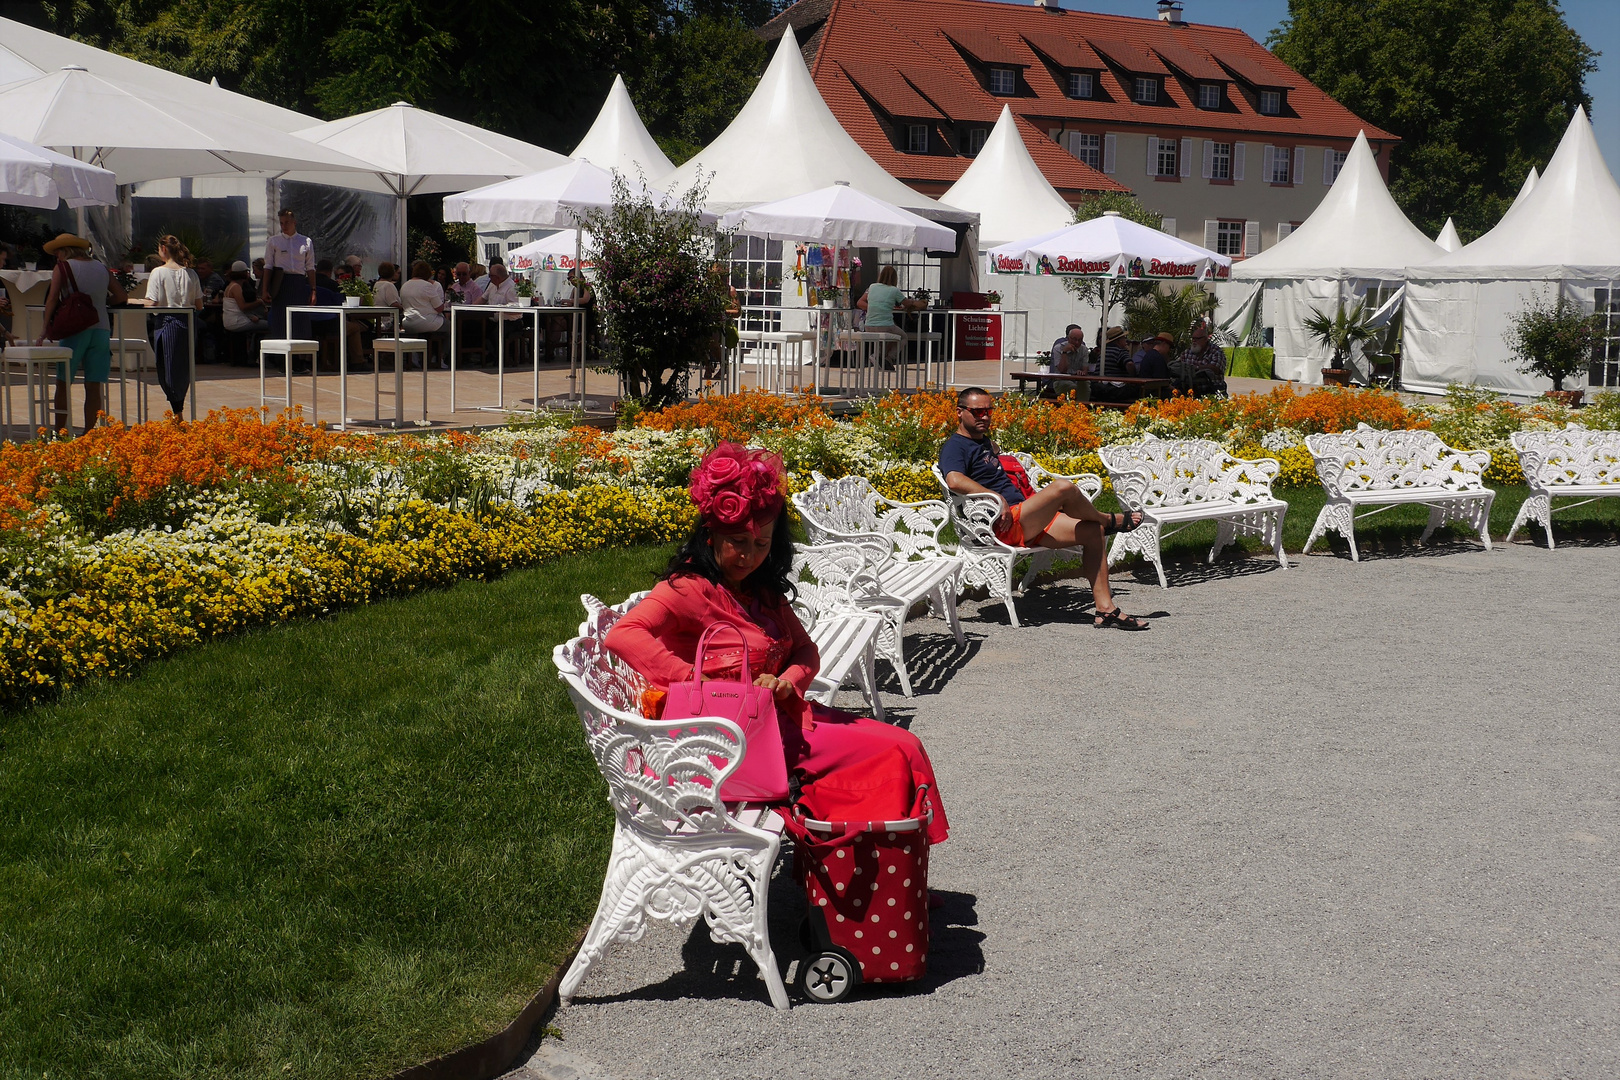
{"points": [[1152, 360], [77, 271]]}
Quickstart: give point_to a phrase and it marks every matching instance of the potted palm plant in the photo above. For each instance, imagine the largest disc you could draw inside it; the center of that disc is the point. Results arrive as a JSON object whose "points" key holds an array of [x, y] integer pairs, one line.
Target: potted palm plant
{"points": [[1340, 333], [1554, 341], [1172, 312]]}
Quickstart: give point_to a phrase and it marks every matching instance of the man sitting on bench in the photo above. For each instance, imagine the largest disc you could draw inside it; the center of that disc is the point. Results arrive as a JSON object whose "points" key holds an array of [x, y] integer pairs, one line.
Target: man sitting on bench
{"points": [[1057, 516]]}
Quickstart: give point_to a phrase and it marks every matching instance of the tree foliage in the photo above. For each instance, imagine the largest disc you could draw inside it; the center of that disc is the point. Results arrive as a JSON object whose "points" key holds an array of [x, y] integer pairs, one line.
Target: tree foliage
{"points": [[1169, 310], [533, 69], [1478, 91]]}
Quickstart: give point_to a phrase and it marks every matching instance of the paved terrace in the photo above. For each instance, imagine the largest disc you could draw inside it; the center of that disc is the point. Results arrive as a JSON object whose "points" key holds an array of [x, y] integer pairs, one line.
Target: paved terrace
{"points": [[1336, 821]]}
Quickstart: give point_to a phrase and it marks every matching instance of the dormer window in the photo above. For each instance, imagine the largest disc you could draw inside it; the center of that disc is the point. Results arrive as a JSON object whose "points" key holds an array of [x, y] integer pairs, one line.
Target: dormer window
{"points": [[1080, 84], [1147, 90], [1003, 81], [975, 140], [1209, 95], [916, 138], [1270, 102]]}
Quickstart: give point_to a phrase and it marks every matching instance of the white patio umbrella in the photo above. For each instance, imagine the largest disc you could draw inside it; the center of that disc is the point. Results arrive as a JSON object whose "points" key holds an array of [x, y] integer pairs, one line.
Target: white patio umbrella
{"points": [[35, 176], [1110, 246], [140, 134], [411, 151], [840, 214]]}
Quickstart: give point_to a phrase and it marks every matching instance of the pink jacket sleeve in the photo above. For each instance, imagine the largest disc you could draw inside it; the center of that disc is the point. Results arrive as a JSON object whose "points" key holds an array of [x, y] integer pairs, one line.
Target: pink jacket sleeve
{"points": [[805, 660], [638, 640]]}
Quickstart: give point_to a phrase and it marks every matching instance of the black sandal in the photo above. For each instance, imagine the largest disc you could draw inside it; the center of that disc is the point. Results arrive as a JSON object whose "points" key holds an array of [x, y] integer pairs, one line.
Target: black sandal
{"points": [[1125, 526], [1117, 619]]}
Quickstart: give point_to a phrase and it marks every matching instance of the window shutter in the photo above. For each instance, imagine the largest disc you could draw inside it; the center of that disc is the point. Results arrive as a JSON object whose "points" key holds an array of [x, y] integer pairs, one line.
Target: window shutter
{"points": [[1209, 158], [1186, 157], [1299, 165], [1152, 155], [1284, 230], [1251, 238], [1268, 164], [1211, 228], [1108, 153], [1071, 143], [1327, 167], [1168, 225], [1239, 152]]}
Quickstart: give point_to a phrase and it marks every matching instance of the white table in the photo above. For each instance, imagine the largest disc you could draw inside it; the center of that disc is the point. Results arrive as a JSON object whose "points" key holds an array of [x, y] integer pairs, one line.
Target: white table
{"points": [[575, 343], [343, 313]]}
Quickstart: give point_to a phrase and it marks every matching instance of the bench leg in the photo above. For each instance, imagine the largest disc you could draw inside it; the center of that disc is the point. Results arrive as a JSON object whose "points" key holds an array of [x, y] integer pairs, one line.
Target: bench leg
{"points": [[1536, 508], [1274, 534], [866, 671], [892, 647], [615, 919], [944, 602], [1144, 541], [1038, 562], [1335, 517]]}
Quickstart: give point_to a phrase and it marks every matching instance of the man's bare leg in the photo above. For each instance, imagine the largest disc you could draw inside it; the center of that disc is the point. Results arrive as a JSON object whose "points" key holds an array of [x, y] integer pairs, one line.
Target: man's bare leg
{"points": [[1062, 497]]}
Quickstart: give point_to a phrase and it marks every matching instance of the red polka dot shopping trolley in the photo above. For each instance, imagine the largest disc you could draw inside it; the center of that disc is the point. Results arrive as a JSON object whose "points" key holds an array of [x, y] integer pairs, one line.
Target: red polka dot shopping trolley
{"points": [[866, 886]]}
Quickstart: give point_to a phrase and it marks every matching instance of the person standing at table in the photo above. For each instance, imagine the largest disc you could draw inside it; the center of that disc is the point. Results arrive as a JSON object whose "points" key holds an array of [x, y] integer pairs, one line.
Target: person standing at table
{"points": [[77, 271], [5, 298], [883, 297], [289, 261], [173, 285]]}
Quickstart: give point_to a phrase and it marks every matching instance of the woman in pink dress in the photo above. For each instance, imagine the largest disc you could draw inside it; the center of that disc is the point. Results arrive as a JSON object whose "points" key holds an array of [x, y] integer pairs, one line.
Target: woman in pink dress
{"points": [[736, 567]]}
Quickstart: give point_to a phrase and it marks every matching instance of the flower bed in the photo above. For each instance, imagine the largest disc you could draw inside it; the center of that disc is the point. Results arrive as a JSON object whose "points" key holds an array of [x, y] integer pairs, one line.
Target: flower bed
{"points": [[128, 543]]}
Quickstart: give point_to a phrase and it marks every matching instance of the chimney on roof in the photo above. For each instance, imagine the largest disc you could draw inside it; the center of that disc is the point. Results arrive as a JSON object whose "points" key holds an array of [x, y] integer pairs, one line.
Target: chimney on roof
{"points": [[1169, 11], [1050, 5]]}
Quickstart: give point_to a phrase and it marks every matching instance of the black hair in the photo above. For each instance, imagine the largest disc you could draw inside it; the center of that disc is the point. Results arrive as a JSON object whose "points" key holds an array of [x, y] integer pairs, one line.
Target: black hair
{"points": [[972, 391], [1071, 328], [773, 577]]}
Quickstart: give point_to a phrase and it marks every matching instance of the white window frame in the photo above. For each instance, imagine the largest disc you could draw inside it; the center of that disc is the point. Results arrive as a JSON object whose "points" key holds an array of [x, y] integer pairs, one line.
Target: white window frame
{"points": [[1082, 85], [1163, 156], [1217, 160], [1251, 238], [754, 268], [1168, 225], [1225, 237], [1298, 176], [1110, 143], [1603, 370], [1279, 165], [916, 138], [976, 138], [1209, 95], [1147, 90], [1240, 155], [1087, 147], [1271, 103], [1332, 164], [1003, 81], [1285, 229]]}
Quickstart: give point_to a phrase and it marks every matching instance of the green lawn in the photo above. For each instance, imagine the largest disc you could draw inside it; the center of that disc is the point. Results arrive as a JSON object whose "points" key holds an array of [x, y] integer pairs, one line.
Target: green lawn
{"points": [[330, 849]]}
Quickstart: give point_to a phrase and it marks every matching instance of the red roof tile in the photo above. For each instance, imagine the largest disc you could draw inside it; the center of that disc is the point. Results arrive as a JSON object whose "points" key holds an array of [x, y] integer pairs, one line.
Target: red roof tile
{"points": [[1193, 63], [894, 95], [1252, 71], [1065, 52], [1126, 56], [985, 47]]}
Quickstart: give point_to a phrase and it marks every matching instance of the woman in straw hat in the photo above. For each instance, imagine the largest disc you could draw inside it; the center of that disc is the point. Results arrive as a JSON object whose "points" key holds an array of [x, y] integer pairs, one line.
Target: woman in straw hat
{"points": [[77, 271]]}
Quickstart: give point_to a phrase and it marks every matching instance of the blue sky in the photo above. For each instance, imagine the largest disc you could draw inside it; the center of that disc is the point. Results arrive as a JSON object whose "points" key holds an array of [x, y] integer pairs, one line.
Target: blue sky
{"points": [[1597, 21]]}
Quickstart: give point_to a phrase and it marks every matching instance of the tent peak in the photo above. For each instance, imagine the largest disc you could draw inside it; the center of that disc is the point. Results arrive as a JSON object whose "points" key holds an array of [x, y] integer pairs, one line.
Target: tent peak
{"points": [[74, 67]]}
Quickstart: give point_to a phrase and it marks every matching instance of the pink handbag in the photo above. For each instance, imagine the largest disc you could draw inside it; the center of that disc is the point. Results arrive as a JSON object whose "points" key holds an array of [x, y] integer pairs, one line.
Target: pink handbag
{"points": [[762, 776]]}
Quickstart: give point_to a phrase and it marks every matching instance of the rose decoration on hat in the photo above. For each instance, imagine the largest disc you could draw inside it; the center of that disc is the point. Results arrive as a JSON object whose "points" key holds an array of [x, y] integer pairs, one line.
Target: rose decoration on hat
{"points": [[737, 488]]}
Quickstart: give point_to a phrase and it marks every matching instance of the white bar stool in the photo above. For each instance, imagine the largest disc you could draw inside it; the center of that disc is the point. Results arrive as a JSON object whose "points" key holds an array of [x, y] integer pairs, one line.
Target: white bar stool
{"points": [[287, 349], [408, 346], [32, 360], [129, 356]]}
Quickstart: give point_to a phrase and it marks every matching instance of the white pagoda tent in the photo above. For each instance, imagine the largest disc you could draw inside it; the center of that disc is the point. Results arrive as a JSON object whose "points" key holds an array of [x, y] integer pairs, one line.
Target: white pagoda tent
{"points": [[1562, 236], [786, 142], [1357, 240], [1014, 201], [620, 142], [1448, 240]]}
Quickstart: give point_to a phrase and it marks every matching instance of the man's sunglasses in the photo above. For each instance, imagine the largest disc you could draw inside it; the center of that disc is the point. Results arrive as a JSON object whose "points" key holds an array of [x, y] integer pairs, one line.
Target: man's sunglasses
{"points": [[978, 414]]}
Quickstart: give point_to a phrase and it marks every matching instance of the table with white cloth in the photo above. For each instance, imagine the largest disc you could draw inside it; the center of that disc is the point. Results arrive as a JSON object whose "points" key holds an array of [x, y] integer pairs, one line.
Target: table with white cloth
{"points": [[576, 332]]}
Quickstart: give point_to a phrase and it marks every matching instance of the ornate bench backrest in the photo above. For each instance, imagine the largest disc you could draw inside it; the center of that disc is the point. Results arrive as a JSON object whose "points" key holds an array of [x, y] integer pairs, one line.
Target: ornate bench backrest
{"points": [[828, 577], [850, 508], [1368, 459], [663, 777], [1166, 473], [972, 516], [1553, 459]]}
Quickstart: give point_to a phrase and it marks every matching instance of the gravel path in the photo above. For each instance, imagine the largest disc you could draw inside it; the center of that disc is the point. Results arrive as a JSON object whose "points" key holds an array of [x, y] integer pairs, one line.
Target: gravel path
{"points": [[1340, 821]]}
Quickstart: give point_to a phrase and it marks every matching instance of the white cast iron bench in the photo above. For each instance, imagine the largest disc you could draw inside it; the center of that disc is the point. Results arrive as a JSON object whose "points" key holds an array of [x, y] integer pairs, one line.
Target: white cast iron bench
{"points": [[907, 562], [845, 634], [1565, 464], [988, 562], [1176, 482], [1369, 467], [678, 851]]}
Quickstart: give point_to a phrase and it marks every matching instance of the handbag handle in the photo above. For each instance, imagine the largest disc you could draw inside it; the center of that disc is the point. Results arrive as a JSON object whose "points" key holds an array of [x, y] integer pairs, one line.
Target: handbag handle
{"points": [[703, 649]]}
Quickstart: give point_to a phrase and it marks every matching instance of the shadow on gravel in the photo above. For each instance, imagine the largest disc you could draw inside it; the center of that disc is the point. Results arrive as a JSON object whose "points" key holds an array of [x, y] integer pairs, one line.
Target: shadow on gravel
{"points": [[1376, 547], [932, 659], [1194, 570]]}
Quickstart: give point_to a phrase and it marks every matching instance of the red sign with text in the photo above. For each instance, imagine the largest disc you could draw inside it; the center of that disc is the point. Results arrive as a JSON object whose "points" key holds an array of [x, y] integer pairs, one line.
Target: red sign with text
{"points": [[978, 335]]}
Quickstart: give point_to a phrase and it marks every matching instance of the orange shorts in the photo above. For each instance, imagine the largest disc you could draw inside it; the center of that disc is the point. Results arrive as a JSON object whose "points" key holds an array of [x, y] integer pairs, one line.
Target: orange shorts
{"points": [[1013, 534]]}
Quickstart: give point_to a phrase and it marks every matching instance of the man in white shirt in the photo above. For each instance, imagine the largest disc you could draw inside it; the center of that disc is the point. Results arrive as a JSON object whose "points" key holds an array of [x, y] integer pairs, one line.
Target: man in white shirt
{"points": [[288, 257], [502, 291], [384, 293], [464, 288]]}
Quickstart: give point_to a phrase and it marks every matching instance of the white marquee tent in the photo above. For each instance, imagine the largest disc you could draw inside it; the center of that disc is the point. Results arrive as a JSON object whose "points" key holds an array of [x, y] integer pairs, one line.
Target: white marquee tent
{"points": [[619, 140], [1448, 240], [1563, 235], [785, 142], [1357, 239], [1014, 200]]}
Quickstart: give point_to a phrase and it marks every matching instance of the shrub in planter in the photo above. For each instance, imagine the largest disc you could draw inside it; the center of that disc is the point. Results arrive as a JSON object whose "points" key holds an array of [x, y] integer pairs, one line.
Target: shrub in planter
{"points": [[1553, 340]]}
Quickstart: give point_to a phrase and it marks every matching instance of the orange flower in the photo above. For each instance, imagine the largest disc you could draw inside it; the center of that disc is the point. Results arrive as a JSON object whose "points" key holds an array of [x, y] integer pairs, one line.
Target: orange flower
{"points": [[740, 417]]}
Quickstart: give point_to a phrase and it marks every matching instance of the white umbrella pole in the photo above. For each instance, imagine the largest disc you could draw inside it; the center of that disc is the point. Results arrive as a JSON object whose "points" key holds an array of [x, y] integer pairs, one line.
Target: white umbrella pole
{"points": [[578, 335]]}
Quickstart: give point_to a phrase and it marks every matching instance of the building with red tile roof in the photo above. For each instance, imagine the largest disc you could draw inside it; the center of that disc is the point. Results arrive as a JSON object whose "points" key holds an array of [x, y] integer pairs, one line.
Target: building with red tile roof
{"points": [[1205, 125]]}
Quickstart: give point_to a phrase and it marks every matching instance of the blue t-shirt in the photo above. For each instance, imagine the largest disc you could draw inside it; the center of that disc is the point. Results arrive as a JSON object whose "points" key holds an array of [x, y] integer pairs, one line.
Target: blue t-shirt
{"points": [[979, 462]]}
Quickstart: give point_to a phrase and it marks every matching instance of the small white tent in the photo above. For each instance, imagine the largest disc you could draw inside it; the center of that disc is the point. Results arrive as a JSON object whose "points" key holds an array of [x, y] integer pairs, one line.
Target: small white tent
{"points": [[785, 142], [1014, 201], [1448, 240], [1356, 240], [1561, 236], [618, 140]]}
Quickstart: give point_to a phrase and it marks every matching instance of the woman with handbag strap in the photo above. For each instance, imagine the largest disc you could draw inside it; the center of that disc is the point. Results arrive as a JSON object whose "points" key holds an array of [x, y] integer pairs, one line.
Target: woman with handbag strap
{"points": [[734, 568], [78, 274]]}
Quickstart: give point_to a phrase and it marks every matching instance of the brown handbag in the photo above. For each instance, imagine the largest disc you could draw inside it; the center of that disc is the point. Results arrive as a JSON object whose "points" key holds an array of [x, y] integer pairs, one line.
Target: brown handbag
{"points": [[72, 315]]}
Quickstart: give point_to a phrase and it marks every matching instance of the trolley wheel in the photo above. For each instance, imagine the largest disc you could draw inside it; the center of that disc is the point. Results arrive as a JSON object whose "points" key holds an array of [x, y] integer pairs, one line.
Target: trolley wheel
{"points": [[828, 977]]}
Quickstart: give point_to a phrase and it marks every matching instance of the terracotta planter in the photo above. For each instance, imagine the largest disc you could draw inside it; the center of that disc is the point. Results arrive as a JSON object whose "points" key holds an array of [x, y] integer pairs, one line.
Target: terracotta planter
{"points": [[1570, 398], [1335, 377]]}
